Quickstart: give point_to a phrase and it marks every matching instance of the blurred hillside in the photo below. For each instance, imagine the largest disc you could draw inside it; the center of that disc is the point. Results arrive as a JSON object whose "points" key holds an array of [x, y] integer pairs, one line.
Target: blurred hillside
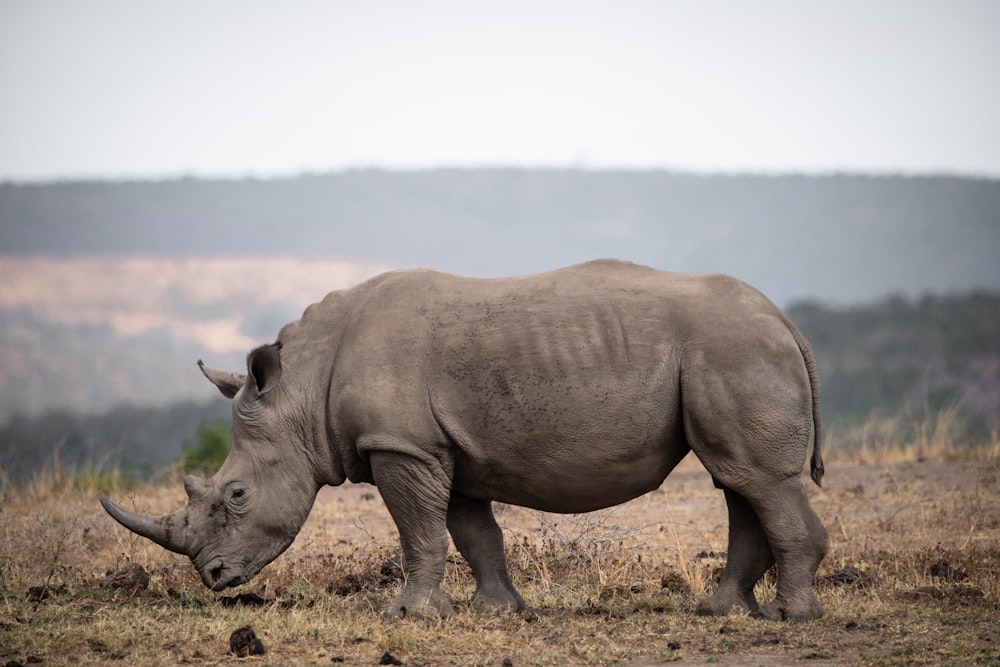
{"points": [[840, 238], [112, 290], [908, 360], [89, 368]]}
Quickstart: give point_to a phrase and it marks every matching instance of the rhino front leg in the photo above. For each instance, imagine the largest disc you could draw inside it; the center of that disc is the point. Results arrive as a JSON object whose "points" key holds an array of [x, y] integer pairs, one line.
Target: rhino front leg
{"points": [[480, 540], [749, 557], [417, 498]]}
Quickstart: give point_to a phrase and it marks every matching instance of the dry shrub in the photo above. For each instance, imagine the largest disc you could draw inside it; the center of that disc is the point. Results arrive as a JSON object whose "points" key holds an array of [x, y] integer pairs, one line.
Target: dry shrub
{"points": [[930, 436]]}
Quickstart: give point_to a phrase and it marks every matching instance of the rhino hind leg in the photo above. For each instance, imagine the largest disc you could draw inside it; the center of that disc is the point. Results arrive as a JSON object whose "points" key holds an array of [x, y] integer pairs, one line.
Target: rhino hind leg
{"points": [[749, 557], [799, 542], [417, 499], [750, 424], [765, 505], [480, 541]]}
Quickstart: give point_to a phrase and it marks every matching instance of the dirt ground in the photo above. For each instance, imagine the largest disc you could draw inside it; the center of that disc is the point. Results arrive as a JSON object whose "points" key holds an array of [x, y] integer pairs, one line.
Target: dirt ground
{"points": [[917, 520], [912, 577]]}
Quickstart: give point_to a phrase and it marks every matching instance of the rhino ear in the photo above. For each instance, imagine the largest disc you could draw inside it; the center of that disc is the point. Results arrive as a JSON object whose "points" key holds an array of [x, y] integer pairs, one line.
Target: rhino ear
{"points": [[228, 383], [264, 365]]}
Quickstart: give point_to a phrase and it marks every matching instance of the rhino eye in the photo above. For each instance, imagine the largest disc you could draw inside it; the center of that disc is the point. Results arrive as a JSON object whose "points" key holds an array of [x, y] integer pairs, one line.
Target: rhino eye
{"points": [[237, 494]]}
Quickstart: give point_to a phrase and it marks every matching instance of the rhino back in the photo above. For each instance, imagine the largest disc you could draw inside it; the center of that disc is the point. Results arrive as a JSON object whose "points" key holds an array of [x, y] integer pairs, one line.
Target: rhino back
{"points": [[568, 372]]}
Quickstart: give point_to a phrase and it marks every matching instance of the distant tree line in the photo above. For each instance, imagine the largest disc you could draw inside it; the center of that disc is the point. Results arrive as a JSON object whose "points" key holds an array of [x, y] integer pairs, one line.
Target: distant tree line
{"points": [[139, 440], [908, 358]]}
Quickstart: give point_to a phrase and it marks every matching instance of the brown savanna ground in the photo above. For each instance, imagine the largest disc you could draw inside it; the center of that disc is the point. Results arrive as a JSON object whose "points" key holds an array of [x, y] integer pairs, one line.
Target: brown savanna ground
{"points": [[912, 577]]}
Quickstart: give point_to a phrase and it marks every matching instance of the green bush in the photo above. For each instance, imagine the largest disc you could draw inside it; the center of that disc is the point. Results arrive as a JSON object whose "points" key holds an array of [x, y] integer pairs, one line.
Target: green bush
{"points": [[103, 482], [205, 457]]}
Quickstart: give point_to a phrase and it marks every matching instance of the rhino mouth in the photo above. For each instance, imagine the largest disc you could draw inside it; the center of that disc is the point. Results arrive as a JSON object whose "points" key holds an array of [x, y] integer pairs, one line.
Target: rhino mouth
{"points": [[219, 575]]}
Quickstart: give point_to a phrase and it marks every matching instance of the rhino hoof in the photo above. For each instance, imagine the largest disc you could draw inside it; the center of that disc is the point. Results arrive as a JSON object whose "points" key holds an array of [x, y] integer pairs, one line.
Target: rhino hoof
{"points": [[714, 606], [394, 613], [436, 606], [777, 610], [496, 606]]}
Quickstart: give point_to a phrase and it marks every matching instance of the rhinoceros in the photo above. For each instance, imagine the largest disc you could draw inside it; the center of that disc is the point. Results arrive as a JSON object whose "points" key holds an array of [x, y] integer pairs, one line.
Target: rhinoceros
{"points": [[566, 391]]}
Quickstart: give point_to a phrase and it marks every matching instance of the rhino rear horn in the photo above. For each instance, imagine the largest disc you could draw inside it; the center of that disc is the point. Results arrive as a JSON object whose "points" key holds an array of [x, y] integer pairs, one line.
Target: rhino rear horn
{"points": [[194, 487], [228, 383], [169, 530]]}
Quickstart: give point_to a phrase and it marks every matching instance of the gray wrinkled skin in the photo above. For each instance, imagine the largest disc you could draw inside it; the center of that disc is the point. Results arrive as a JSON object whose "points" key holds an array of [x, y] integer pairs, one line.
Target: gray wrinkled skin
{"points": [[566, 392]]}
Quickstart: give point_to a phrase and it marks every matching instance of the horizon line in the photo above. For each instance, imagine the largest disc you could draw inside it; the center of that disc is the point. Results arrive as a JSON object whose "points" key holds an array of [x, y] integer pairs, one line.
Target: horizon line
{"points": [[290, 174]]}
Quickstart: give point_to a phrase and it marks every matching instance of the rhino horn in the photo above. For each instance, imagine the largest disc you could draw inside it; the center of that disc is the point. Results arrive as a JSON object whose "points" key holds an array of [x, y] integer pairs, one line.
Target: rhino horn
{"points": [[227, 382], [194, 487], [168, 530]]}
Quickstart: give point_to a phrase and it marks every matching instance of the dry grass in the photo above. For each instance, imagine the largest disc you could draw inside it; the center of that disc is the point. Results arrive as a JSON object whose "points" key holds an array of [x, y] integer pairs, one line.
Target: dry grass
{"points": [[614, 587], [929, 435]]}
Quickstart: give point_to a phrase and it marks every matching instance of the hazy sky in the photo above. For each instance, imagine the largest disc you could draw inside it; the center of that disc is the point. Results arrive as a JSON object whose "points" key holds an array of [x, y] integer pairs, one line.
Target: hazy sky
{"points": [[123, 88]]}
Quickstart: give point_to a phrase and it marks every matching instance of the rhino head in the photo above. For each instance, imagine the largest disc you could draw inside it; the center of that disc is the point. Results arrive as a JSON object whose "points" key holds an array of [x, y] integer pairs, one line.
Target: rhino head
{"points": [[249, 511]]}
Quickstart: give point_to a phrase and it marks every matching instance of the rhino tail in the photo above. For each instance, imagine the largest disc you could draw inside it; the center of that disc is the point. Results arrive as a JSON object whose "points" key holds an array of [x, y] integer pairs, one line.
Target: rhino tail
{"points": [[816, 468]]}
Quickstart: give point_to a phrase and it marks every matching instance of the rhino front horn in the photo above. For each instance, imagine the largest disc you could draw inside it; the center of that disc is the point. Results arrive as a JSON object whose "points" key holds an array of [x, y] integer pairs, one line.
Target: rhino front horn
{"points": [[168, 530]]}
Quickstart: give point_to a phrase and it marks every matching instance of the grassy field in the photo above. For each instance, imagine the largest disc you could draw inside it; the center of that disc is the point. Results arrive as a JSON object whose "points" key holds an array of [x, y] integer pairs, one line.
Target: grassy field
{"points": [[913, 577]]}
